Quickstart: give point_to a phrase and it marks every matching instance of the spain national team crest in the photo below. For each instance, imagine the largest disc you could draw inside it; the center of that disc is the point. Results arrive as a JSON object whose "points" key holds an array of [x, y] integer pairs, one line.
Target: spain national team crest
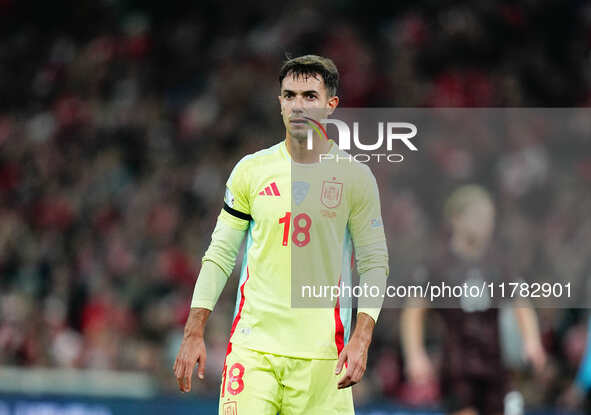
{"points": [[331, 194]]}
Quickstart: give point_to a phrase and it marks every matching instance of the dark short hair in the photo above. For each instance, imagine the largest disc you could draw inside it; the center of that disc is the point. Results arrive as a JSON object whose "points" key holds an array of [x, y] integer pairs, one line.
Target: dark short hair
{"points": [[312, 65]]}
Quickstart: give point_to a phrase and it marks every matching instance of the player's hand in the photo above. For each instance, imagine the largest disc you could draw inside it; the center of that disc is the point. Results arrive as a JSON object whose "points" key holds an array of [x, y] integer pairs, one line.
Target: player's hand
{"points": [[192, 351], [355, 354], [419, 369], [535, 354]]}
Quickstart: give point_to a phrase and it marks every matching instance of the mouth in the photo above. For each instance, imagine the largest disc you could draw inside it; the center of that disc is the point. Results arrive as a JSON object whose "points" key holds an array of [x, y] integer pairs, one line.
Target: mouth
{"points": [[298, 122]]}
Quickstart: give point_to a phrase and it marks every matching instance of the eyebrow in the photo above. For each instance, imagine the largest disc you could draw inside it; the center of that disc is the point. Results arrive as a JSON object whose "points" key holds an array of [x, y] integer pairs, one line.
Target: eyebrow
{"points": [[309, 91]]}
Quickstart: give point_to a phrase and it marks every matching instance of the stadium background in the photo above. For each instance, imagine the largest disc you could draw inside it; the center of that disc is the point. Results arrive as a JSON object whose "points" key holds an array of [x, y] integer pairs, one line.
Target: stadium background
{"points": [[121, 120]]}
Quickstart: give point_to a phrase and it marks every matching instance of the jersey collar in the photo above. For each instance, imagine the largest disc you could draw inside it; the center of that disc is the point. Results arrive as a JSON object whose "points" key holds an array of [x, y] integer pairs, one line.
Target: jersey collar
{"points": [[283, 148]]}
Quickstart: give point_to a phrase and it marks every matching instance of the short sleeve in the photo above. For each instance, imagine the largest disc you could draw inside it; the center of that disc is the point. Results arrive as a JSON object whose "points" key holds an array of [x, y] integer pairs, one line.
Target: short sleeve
{"points": [[365, 220], [236, 211]]}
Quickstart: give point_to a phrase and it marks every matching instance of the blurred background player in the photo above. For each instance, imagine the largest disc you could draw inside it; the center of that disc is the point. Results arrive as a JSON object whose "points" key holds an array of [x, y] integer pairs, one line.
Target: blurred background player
{"points": [[576, 396], [282, 359], [473, 380]]}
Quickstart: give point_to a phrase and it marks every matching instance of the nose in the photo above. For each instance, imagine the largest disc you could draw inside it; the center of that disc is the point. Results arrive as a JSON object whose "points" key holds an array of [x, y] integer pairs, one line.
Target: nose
{"points": [[298, 106], [297, 111]]}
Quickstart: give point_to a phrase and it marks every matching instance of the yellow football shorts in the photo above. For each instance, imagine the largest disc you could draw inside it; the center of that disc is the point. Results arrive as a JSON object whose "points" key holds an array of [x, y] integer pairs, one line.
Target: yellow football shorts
{"points": [[257, 383]]}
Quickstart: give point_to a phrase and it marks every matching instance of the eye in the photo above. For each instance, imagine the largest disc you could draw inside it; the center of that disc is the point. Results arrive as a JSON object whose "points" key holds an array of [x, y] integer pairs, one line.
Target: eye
{"points": [[288, 95], [311, 97]]}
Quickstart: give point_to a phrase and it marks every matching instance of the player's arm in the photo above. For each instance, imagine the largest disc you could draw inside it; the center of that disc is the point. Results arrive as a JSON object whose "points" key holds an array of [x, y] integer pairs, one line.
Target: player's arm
{"points": [[217, 265], [530, 333], [367, 232], [417, 362], [372, 265]]}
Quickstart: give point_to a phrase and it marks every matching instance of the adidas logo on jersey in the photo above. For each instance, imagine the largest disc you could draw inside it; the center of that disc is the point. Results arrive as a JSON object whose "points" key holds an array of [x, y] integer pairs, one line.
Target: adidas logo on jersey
{"points": [[270, 190]]}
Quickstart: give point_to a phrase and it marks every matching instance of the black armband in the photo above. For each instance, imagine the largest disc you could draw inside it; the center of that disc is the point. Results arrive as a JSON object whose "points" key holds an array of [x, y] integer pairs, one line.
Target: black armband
{"points": [[237, 213]]}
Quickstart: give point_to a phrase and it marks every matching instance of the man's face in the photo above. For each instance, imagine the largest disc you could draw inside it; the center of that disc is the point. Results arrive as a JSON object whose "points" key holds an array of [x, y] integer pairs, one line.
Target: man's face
{"points": [[304, 96], [476, 222]]}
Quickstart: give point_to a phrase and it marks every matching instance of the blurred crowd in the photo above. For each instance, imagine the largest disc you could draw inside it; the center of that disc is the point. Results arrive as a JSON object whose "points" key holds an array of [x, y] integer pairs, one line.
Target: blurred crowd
{"points": [[120, 123]]}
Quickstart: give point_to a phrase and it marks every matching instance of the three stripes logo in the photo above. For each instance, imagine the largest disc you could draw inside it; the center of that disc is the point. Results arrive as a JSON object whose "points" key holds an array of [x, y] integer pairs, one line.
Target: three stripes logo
{"points": [[270, 190]]}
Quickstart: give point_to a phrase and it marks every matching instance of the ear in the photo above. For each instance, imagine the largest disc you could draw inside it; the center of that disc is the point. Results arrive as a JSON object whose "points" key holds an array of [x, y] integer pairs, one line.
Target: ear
{"points": [[333, 102]]}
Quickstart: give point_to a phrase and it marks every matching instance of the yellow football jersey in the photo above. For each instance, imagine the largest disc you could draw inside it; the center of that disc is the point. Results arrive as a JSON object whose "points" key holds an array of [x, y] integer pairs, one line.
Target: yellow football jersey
{"points": [[303, 221]]}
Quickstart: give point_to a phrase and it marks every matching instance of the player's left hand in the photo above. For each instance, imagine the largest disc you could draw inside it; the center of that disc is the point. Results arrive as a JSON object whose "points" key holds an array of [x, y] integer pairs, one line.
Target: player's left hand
{"points": [[355, 354], [535, 355]]}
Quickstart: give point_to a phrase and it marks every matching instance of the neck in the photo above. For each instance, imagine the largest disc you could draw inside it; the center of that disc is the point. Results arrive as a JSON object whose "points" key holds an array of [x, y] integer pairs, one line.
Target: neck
{"points": [[298, 149]]}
